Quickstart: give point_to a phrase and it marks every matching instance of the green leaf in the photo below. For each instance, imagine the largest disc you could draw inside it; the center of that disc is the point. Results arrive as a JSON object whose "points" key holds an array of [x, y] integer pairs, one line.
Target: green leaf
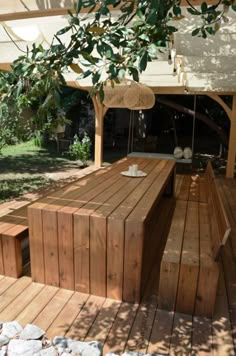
{"points": [[134, 72], [74, 20], [143, 61], [113, 70], [96, 78], [144, 37], [204, 7], [210, 30], [86, 74], [77, 6], [233, 7], [63, 30], [193, 11], [195, 32], [177, 10]]}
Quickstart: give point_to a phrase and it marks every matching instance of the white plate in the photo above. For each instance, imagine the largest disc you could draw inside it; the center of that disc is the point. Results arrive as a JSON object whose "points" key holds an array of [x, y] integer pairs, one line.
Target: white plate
{"points": [[138, 175]]}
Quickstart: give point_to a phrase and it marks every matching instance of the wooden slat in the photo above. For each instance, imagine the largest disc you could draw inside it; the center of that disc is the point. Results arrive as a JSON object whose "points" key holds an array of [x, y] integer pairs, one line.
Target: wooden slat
{"points": [[85, 318], [202, 187], [12, 256], [223, 344], [170, 265], [183, 192], [181, 335], [201, 337], [161, 333], [20, 302], [67, 315], [220, 227], [36, 305], [115, 231], [13, 291], [66, 249], [141, 330], [120, 330], [36, 243], [221, 216], [155, 238], [53, 308], [209, 269], [189, 269], [5, 283], [134, 227], [50, 246], [178, 183], [104, 321]]}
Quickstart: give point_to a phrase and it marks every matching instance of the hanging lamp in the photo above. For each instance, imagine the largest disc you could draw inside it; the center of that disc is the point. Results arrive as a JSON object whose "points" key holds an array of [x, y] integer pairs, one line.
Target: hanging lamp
{"points": [[129, 94]]}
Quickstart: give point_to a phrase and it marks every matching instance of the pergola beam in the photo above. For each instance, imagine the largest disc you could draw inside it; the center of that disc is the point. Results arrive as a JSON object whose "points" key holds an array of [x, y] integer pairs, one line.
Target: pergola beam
{"points": [[32, 10]]}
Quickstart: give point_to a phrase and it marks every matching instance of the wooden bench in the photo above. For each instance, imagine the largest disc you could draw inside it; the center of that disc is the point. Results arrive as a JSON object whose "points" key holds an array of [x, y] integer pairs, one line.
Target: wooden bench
{"points": [[13, 230], [189, 270]]}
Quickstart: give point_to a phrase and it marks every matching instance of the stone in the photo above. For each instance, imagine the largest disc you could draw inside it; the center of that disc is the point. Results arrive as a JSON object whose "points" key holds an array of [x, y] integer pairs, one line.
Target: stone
{"points": [[18, 347], [131, 353], [31, 332], [92, 348], [11, 328], [3, 340], [60, 340], [50, 351]]}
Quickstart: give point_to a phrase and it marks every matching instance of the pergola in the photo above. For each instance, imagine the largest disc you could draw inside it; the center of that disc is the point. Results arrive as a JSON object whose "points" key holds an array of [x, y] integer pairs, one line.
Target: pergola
{"points": [[205, 66]]}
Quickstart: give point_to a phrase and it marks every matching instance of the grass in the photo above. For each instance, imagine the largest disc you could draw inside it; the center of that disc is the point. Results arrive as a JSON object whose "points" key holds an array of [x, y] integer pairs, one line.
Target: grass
{"points": [[23, 168]]}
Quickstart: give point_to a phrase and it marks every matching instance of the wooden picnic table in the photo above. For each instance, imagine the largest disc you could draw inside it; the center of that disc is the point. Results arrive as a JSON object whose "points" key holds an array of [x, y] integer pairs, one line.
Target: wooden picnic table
{"points": [[90, 235]]}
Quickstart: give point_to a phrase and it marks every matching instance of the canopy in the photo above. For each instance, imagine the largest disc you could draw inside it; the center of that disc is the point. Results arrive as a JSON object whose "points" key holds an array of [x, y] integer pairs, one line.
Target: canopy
{"points": [[206, 64]]}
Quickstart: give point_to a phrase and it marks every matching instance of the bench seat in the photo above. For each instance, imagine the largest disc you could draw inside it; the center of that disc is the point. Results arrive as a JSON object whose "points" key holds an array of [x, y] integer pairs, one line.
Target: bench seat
{"points": [[13, 231], [189, 270]]}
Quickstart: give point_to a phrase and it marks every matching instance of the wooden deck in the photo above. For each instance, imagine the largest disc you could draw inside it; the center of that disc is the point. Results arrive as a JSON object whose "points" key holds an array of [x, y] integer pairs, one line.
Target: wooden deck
{"points": [[122, 326]]}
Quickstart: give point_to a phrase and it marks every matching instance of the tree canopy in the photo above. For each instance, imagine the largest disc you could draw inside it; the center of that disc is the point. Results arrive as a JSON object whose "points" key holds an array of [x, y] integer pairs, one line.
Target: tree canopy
{"points": [[105, 45]]}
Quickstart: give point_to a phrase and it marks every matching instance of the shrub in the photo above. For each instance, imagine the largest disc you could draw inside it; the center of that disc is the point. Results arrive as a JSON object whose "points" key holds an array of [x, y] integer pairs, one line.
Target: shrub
{"points": [[80, 149]]}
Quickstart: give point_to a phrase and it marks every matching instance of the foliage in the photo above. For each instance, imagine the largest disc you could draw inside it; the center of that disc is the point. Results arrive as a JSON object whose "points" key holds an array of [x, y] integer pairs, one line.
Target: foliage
{"points": [[80, 149], [13, 188], [102, 47]]}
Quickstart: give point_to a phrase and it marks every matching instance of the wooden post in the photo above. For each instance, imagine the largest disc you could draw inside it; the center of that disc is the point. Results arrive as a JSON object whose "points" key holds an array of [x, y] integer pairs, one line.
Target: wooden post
{"points": [[232, 142], [100, 111]]}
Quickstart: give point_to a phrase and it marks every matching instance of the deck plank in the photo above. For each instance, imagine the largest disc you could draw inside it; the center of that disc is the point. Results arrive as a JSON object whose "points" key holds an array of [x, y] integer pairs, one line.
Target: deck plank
{"points": [[36, 306], [52, 309], [202, 337], [120, 330], [8, 296], [86, 318], [5, 283], [161, 332], [103, 323], [222, 333], [20, 302], [68, 314], [142, 327], [181, 335]]}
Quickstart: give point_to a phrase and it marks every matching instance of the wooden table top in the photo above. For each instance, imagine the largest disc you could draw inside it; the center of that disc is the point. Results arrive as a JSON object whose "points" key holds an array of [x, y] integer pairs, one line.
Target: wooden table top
{"points": [[108, 193]]}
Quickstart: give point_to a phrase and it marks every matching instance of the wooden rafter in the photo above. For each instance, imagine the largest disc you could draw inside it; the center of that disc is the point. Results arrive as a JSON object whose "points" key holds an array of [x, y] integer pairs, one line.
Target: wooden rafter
{"points": [[26, 9]]}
